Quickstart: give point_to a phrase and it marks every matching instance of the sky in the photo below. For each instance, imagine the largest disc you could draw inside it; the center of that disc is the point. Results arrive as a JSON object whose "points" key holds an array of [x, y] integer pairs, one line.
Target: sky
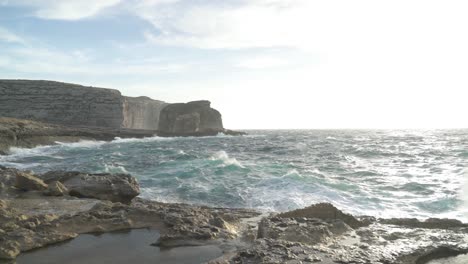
{"points": [[264, 64]]}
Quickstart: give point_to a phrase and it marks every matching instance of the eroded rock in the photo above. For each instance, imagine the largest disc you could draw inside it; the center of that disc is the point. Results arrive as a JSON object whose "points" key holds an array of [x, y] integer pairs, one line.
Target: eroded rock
{"points": [[304, 230], [193, 118], [28, 182], [56, 188], [111, 187], [324, 211], [316, 234]]}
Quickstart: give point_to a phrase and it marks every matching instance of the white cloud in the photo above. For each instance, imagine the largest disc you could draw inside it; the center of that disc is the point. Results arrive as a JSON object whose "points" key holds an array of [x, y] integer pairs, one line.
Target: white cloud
{"points": [[399, 63], [234, 25], [8, 36], [65, 10], [260, 62], [79, 63]]}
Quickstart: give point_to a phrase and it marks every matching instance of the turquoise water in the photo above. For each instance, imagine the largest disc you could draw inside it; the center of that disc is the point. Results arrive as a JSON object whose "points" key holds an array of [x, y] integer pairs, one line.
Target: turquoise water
{"points": [[384, 173]]}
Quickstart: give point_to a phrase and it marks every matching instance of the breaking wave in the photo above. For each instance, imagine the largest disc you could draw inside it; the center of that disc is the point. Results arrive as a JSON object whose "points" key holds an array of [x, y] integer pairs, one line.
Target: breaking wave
{"points": [[381, 173]]}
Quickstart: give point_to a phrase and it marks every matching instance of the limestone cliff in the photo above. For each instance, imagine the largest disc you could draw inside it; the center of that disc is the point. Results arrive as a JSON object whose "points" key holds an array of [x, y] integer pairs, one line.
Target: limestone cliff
{"points": [[141, 112], [80, 106], [192, 118], [61, 103]]}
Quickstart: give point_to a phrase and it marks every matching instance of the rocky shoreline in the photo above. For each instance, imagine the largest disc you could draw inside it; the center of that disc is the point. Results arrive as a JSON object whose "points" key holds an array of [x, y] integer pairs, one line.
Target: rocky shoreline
{"points": [[40, 210], [28, 134]]}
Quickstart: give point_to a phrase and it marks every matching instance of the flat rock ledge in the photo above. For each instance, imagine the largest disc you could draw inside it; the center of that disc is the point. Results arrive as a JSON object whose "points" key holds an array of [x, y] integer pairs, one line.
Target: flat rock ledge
{"points": [[321, 233]]}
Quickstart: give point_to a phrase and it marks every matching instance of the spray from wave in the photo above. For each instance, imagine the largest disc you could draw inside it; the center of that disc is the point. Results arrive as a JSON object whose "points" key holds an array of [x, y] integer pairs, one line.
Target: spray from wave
{"points": [[225, 159]]}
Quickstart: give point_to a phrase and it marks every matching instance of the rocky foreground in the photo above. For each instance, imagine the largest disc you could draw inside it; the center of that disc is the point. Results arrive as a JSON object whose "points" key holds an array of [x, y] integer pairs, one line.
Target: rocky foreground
{"points": [[27, 134], [40, 210]]}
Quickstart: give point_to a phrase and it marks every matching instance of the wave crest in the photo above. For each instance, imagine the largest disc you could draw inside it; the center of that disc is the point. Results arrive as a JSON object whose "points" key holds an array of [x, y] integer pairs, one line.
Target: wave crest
{"points": [[226, 160]]}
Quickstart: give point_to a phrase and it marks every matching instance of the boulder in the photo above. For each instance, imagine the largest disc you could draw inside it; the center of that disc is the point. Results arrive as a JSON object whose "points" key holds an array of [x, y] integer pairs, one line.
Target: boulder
{"points": [[27, 182], [56, 188], [324, 211], [7, 177], [112, 187], [304, 230]]}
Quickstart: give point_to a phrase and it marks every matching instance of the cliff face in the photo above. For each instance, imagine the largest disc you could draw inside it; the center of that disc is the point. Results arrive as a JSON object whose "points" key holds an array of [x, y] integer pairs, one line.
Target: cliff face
{"points": [[141, 112], [191, 118], [76, 105], [61, 103]]}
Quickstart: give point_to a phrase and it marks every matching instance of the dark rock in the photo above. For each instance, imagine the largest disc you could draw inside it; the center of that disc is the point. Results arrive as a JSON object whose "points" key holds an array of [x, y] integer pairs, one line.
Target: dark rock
{"points": [[56, 188], [438, 253], [27, 182], [193, 118], [111, 187], [312, 231], [26, 133], [234, 133], [324, 211], [431, 223], [7, 177]]}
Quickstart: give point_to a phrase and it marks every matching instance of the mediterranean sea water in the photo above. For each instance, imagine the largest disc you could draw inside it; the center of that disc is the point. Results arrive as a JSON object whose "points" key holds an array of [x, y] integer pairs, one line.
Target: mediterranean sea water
{"points": [[383, 173]]}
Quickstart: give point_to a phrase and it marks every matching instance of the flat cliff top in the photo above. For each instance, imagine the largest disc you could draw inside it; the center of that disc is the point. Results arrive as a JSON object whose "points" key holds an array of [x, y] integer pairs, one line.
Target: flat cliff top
{"points": [[45, 84], [7, 123]]}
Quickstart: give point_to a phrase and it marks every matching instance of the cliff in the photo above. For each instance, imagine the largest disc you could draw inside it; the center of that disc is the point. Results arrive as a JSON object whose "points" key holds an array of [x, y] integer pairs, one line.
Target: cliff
{"points": [[81, 106], [192, 118], [141, 112], [61, 103]]}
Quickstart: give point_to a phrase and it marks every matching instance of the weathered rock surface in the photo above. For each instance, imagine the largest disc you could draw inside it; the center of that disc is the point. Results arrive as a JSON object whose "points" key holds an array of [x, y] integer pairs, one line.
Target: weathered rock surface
{"points": [[25, 181], [56, 188], [7, 179], [33, 220], [141, 112], [317, 234], [61, 103], [26, 133], [292, 239], [111, 187], [304, 230], [324, 211], [193, 118]]}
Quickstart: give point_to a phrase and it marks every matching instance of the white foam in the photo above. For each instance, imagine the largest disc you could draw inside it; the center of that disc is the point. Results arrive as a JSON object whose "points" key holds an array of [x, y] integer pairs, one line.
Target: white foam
{"points": [[292, 173], [82, 144], [15, 152], [113, 168], [136, 140], [227, 161]]}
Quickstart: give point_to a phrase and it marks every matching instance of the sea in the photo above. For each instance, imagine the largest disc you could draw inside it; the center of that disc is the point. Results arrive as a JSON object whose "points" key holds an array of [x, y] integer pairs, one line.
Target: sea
{"points": [[382, 173]]}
